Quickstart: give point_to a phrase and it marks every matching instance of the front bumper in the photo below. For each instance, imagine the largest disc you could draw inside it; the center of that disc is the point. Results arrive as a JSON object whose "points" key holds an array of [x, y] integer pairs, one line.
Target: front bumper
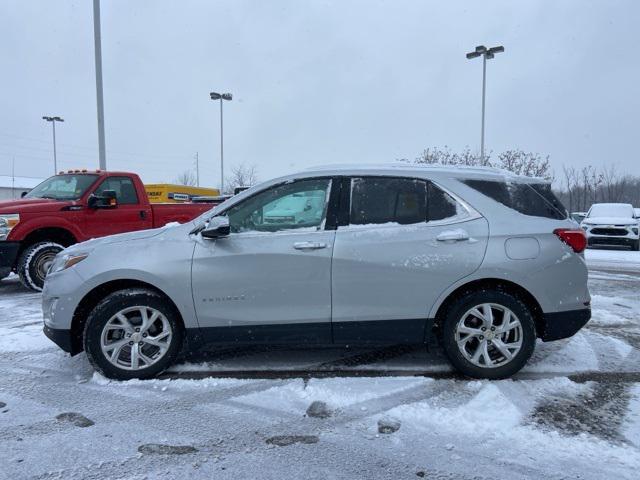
{"points": [[558, 325], [8, 254], [60, 337]]}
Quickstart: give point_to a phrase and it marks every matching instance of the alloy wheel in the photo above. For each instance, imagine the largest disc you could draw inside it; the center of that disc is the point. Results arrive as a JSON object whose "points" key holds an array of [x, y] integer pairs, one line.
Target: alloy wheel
{"points": [[136, 338], [489, 335]]}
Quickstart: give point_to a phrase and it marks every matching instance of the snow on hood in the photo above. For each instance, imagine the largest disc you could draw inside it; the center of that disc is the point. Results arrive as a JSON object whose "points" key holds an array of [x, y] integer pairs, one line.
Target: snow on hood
{"points": [[121, 237], [610, 221]]}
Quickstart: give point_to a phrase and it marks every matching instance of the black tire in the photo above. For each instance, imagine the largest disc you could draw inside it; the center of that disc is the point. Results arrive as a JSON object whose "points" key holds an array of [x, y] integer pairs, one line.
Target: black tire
{"points": [[34, 262], [635, 246], [466, 302], [116, 302]]}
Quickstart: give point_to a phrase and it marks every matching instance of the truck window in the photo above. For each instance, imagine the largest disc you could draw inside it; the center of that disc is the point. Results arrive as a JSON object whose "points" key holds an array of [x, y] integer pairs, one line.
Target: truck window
{"points": [[63, 187], [123, 186]]}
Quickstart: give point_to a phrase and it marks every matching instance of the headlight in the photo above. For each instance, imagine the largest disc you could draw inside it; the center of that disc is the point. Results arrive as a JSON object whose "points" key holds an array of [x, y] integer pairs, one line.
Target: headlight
{"points": [[66, 260], [7, 222]]}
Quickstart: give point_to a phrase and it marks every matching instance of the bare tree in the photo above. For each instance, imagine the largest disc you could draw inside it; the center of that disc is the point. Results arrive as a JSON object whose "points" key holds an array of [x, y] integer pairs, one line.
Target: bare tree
{"points": [[614, 185], [528, 164], [517, 161], [571, 180], [444, 156], [186, 178], [242, 175]]}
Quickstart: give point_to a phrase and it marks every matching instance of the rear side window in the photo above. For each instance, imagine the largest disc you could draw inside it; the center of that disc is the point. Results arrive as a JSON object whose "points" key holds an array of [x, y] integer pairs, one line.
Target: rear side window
{"points": [[536, 200], [376, 200]]}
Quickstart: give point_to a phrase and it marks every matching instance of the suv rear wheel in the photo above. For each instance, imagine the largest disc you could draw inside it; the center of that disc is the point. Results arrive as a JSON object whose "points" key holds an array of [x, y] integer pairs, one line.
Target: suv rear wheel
{"points": [[489, 334], [34, 263], [133, 333]]}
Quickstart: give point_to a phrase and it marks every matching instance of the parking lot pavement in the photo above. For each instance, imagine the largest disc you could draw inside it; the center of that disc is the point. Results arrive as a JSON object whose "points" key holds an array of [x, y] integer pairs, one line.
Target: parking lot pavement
{"points": [[573, 412]]}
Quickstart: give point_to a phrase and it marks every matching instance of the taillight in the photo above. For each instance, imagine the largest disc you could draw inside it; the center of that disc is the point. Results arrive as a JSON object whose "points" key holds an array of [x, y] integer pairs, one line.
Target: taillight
{"points": [[573, 237]]}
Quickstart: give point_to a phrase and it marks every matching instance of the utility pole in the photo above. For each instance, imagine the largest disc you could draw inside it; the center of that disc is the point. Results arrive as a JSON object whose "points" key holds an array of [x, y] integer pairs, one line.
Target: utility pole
{"points": [[221, 97], [98, 55], [197, 171], [487, 54], [53, 121]]}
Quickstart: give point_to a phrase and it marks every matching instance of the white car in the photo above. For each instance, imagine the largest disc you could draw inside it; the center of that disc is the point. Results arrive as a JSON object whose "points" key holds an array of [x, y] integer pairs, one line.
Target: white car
{"points": [[612, 224]]}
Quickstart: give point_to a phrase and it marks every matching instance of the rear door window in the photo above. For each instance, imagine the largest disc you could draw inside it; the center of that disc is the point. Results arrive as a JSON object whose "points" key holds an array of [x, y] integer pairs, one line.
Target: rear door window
{"points": [[403, 201], [536, 200], [378, 200]]}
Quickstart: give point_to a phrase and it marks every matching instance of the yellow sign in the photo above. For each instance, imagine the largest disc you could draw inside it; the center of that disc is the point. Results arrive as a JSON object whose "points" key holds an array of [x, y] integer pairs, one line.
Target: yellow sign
{"points": [[169, 193]]}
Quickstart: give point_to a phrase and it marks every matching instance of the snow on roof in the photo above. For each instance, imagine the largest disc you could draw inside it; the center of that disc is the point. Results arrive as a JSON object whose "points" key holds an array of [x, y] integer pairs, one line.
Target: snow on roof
{"points": [[7, 181], [421, 167]]}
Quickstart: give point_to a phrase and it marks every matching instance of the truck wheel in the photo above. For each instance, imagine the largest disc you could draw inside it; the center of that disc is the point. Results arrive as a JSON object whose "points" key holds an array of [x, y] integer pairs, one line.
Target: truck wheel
{"points": [[134, 333], [34, 263], [635, 245], [488, 334]]}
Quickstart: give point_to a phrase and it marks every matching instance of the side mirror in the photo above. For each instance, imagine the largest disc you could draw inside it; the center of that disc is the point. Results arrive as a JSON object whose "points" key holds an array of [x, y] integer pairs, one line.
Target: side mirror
{"points": [[218, 227], [22, 195], [108, 199]]}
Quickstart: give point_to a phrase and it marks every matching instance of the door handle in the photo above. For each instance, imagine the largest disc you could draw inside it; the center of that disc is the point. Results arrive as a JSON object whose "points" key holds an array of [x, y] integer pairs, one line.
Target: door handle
{"points": [[309, 245], [143, 214], [453, 236]]}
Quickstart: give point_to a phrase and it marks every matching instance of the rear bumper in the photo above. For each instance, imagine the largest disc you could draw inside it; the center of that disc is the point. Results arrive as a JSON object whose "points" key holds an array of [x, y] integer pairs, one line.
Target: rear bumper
{"points": [[8, 254], [558, 325], [60, 337]]}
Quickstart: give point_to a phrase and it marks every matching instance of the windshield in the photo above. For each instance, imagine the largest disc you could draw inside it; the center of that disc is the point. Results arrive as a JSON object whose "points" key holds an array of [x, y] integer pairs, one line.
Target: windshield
{"points": [[611, 210], [63, 187]]}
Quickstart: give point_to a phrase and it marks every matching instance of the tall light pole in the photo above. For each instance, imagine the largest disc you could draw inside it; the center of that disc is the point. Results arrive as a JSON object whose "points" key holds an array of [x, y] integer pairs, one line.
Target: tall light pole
{"points": [[221, 97], [487, 54], [53, 121], [98, 54]]}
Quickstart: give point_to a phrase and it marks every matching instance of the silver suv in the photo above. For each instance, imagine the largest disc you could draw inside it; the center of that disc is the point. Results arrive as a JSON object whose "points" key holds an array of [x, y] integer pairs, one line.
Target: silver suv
{"points": [[481, 260]]}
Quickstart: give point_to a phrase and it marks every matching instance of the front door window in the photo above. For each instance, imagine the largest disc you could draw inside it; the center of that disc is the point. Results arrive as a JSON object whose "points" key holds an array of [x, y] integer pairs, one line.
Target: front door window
{"points": [[291, 206]]}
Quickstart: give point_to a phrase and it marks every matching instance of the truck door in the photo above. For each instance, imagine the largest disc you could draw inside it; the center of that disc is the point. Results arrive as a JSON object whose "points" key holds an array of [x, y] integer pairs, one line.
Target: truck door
{"points": [[131, 213]]}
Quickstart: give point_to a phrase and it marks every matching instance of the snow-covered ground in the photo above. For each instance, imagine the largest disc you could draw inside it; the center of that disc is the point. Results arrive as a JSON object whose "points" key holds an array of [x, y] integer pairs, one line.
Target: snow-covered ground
{"points": [[573, 412]]}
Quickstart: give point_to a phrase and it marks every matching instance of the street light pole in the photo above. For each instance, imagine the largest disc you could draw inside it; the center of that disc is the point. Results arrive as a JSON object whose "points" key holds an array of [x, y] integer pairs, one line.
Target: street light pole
{"points": [[98, 60], [221, 150], [221, 97], [487, 54], [53, 121]]}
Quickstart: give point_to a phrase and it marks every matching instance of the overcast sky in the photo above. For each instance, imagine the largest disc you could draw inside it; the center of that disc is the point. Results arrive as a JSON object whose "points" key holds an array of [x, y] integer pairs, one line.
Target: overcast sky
{"points": [[316, 82]]}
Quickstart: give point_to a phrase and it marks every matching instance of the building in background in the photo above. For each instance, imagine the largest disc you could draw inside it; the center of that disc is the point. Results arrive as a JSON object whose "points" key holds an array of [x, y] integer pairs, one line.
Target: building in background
{"points": [[13, 187]]}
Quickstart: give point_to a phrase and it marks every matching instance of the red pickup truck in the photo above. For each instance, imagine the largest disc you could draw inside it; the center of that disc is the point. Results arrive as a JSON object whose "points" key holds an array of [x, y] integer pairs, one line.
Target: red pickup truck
{"points": [[73, 207]]}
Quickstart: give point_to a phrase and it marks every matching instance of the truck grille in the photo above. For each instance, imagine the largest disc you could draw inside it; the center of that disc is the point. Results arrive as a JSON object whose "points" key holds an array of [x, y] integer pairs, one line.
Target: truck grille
{"points": [[614, 232]]}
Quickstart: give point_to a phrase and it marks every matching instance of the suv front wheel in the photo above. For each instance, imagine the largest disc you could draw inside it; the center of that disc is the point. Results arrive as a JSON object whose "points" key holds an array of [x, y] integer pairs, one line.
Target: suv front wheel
{"points": [[488, 334], [134, 333]]}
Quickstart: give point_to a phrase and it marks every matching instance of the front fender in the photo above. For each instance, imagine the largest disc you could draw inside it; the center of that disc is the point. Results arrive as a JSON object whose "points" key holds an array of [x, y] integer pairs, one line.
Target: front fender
{"points": [[30, 225], [178, 292]]}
